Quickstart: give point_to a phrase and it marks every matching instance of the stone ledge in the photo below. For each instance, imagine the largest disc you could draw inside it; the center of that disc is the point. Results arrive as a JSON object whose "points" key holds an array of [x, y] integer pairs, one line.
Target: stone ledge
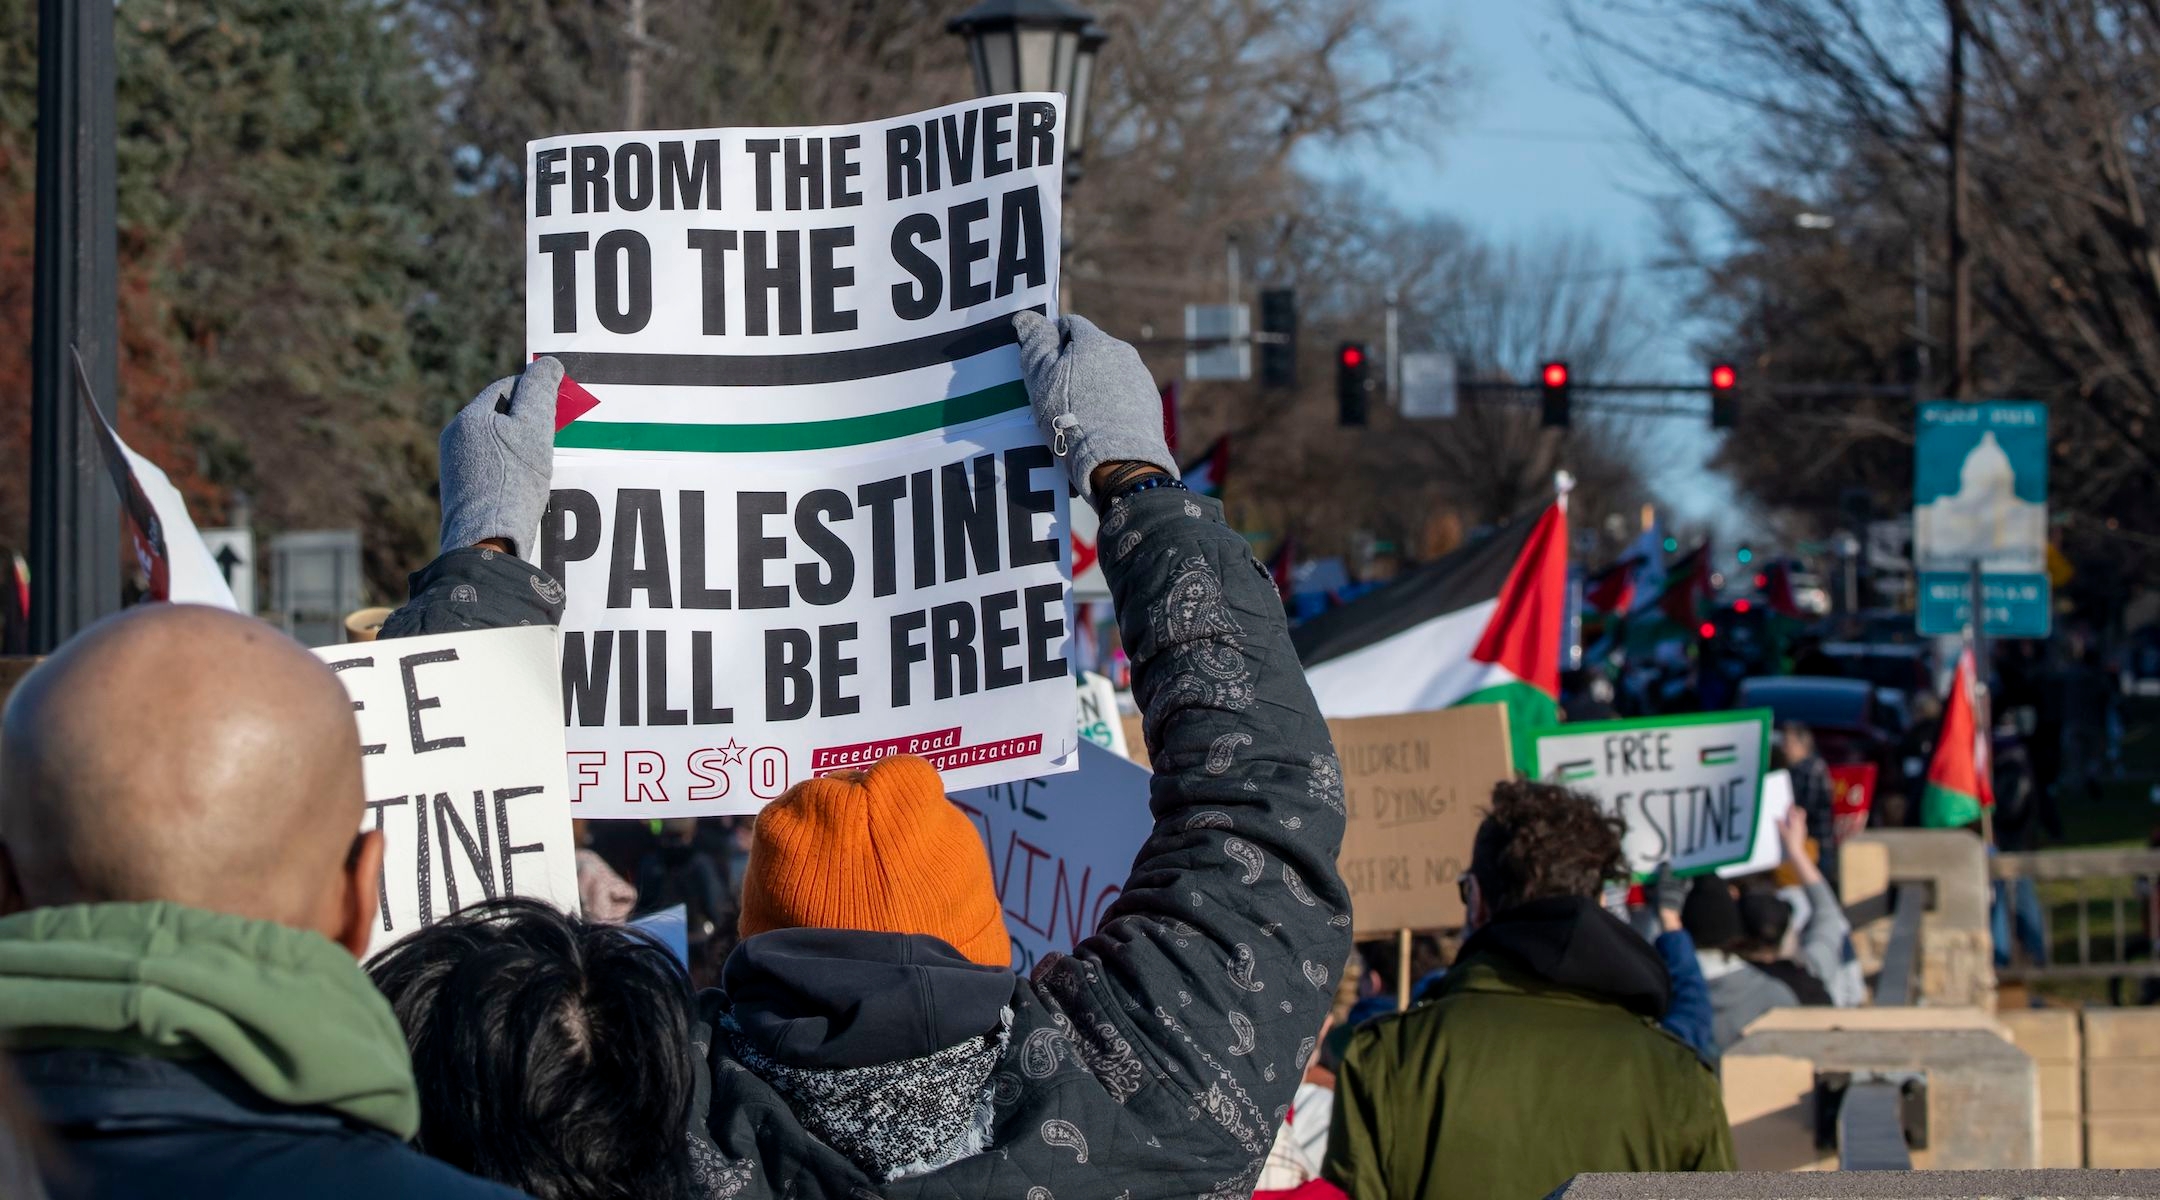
{"points": [[1869, 1185]]}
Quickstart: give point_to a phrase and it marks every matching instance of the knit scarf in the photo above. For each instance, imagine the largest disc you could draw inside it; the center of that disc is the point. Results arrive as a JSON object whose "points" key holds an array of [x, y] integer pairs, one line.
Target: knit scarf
{"points": [[893, 1119]]}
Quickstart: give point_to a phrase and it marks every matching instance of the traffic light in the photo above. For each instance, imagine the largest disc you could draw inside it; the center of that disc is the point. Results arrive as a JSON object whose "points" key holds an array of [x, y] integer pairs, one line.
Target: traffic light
{"points": [[1724, 397], [1278, 348], [1353, 380], [1746, 556], [1553, 377]]}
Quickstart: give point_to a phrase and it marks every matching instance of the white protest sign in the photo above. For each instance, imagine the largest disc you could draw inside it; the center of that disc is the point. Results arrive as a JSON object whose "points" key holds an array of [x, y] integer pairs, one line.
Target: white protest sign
{"points": [[1689, 787], [801, 509], [462, 742], [1769, 852], [1100, 721], [1061, 847]]}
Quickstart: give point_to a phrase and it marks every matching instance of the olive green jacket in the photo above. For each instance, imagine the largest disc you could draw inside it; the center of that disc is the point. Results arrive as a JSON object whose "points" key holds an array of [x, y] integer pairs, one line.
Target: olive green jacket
{"points": [[1510, 1083]]}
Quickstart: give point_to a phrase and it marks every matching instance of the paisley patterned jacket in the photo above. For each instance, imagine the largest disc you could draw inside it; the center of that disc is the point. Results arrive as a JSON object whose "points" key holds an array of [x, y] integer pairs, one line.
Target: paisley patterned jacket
{"points": [[1159, 1057]]}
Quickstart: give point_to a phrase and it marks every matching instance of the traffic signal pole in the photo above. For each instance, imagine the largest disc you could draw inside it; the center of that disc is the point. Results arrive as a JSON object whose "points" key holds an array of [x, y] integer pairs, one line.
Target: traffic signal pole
{"points": [[74, 511]]}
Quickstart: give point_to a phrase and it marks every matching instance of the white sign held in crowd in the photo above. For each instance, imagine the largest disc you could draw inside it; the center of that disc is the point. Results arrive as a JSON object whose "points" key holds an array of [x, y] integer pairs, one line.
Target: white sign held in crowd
{"points": [[1061, 847], [1100, 721], [462, 744], [1689, 787], [1769, 850], [801, 508]]}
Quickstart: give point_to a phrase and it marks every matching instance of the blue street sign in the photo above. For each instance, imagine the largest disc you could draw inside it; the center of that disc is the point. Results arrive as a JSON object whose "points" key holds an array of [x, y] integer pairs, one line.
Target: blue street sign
{"points": [[1980, 497]]}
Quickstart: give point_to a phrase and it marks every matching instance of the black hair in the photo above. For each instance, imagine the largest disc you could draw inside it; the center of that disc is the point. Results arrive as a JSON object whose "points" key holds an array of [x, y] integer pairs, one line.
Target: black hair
{"points": [[552, 1053]]}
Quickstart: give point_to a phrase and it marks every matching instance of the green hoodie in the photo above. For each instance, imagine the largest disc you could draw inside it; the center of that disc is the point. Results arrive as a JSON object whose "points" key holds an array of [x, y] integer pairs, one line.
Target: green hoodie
{"points": [[286, 1010]]}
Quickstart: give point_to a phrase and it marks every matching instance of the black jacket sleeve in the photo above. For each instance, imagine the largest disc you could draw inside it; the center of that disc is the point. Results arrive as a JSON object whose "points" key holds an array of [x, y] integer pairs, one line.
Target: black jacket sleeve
{"points": [[1221, 954], [476, 588]]}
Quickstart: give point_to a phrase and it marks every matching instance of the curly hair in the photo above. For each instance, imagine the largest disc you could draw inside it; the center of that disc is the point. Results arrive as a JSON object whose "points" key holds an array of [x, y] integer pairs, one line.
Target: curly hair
{"points": [[1540, 840]]}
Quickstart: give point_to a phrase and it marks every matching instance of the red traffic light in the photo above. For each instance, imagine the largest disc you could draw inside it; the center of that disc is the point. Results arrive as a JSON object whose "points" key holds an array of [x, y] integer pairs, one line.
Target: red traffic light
{"points": [[1742, 606], [1708, 630], [1353, 356], [1555, 374], [1723, 378]]}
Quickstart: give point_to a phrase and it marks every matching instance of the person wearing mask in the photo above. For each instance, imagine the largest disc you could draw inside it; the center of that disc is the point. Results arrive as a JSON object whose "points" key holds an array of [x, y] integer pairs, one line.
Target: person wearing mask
{"points": [[869, 1035], [1479, 1093], [551, 1052], [1739, 990], [184, 895]]}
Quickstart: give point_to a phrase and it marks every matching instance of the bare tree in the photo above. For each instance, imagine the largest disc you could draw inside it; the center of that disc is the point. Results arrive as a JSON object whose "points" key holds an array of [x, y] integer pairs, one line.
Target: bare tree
{"points": [[1851, 104]]}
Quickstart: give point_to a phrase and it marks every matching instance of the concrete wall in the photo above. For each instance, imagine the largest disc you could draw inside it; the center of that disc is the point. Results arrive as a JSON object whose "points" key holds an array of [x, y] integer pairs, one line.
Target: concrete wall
{"points": [[1957, 965], [2054, 1040], [2122, 1087], [1869, 1185]]}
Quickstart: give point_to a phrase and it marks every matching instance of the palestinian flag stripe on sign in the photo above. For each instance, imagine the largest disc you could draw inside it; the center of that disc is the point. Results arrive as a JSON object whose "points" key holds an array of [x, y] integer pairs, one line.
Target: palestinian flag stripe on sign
{"points": [[1480, 626]]}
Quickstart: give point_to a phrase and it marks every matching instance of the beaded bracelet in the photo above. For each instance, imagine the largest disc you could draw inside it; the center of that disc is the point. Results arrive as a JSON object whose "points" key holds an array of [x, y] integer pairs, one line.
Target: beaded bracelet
{"points": [[1145, 483]]}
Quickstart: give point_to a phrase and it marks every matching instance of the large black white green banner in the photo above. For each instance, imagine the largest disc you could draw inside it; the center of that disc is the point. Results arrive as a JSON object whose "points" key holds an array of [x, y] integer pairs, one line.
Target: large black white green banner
{"points": [[801, 510]]}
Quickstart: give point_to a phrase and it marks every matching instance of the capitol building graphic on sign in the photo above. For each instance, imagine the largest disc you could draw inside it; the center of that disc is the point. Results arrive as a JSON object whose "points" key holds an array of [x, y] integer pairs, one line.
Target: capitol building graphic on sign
{"points": [[1983, 520]]}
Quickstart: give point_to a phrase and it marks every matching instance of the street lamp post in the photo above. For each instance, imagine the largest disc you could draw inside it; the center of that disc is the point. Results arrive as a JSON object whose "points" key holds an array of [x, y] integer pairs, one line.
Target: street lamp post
{"points": [[74, 511], [1036, 46]]}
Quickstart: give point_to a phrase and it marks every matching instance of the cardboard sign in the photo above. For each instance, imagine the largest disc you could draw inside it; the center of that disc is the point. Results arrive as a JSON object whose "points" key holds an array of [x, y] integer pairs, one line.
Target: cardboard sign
{"points": [[1689, 787], [1416, 787], [801, 508], [1061, 847], [462, 743]]}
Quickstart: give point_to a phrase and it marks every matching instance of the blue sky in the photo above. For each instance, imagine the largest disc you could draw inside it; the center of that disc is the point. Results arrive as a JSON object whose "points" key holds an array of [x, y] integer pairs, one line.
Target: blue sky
{"points": [[1531, 155]]}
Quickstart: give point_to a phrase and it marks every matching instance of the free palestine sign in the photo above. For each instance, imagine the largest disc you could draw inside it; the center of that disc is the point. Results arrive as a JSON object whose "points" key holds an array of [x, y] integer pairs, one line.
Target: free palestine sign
{"points": [[1688, 787]]}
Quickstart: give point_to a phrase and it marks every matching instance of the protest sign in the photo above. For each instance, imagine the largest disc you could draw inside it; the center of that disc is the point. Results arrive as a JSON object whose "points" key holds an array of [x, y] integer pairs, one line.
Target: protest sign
{"points": [[1769, 848], [1415, 787], [1852, 797], [461, 743], [1689, 787], [1061, 847], [800, 506], [1100, 722]]}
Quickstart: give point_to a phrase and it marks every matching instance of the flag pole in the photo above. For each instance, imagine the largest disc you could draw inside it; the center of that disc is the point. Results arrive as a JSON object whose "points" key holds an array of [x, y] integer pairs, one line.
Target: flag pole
{"points": [[1983, 701], [1402, 970]]}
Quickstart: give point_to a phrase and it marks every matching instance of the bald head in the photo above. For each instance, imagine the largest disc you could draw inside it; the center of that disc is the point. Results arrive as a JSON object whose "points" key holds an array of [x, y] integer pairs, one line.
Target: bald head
{"points": [[188, 754]]}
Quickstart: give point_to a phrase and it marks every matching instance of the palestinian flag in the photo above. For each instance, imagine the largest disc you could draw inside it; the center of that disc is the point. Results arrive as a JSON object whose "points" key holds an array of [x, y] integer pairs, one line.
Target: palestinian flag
{"points": [[1959, 786], [1611, 590], [1687, 588], [1207, 473], [1281, 564], [1480, 626], [1778, 578]]}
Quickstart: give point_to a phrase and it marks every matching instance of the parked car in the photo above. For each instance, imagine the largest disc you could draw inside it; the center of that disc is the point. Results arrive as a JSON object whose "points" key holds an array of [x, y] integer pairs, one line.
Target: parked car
{"points": [[1850, 724]]}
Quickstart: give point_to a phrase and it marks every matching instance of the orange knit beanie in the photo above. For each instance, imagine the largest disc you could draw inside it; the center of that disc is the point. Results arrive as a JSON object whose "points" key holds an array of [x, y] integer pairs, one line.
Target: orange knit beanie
{"points": [[881, 850]]}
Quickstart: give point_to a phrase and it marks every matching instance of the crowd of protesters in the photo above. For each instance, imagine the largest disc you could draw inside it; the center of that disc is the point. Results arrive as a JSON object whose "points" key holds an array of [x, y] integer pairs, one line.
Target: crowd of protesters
{"points": [[184, 904]]}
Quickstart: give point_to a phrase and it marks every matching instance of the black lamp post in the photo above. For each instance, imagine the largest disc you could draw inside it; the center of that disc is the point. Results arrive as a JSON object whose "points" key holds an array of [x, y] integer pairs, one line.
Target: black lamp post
{"points": [[1036, 46]]}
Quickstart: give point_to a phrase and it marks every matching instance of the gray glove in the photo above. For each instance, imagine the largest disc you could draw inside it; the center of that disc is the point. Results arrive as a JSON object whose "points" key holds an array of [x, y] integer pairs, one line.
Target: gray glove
{"points": [[1669, 889], [498, 458], [1094, 400]]}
